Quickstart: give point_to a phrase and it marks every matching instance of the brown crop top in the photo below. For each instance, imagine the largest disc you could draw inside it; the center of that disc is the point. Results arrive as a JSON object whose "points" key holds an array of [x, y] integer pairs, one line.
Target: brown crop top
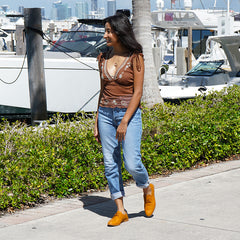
{"points": [[118, 89]]}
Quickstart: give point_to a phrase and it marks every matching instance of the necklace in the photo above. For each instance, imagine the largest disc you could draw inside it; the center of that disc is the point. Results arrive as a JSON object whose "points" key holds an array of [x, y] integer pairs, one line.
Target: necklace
{"points": [[114, 68], [116, 60]]}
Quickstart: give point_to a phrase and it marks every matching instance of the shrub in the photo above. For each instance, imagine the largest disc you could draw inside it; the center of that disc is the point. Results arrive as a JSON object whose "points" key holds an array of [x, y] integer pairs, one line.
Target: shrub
{"points": [[63, 159], [177, 137]]}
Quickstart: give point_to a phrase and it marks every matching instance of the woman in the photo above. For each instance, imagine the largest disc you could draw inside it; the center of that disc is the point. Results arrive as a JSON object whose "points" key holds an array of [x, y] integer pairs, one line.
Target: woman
{"points": [[118, 120]]}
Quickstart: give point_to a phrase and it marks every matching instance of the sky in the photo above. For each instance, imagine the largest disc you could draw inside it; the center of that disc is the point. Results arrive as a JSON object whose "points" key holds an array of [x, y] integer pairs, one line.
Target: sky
{"points": [[121, 4]]}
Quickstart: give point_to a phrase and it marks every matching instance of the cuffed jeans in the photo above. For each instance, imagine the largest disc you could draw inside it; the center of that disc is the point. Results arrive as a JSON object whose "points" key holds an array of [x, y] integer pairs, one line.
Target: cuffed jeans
{"points": [[108, 121]]}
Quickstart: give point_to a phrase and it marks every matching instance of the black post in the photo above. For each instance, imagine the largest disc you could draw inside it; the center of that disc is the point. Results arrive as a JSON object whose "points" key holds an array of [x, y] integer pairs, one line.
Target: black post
{"points": [[36, 77]]}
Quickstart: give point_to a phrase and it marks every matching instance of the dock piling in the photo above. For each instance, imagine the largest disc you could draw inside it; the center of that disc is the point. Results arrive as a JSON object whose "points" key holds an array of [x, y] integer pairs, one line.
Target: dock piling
{"points": [[36, 76]]}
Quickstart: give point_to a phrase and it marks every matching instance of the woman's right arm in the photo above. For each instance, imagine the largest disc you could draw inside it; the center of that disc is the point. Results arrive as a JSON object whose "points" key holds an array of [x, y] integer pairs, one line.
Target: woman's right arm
{"points": [[96, 132]]}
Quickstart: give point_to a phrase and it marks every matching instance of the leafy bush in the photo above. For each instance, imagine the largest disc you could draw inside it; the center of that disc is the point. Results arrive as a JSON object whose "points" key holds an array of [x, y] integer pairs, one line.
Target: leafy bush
{"points": [[177, 137], [63, 159], [58, 160]]}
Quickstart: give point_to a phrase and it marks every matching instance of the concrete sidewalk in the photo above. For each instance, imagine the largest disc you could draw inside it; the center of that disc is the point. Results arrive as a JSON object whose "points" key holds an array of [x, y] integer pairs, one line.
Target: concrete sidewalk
{"points": [[199, 204]]}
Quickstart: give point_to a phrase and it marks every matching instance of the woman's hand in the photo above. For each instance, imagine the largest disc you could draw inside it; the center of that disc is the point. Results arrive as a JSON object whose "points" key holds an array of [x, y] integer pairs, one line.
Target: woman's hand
{"points": [[121, 131], [96, 133]]}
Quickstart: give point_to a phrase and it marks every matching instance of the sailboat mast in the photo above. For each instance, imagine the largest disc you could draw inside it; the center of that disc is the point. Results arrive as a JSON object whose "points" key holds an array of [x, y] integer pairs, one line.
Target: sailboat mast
{"points": [[215, 3], [228, 8]]}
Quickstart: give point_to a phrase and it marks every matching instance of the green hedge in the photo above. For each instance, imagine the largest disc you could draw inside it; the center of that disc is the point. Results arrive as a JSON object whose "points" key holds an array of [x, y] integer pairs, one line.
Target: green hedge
{"points": [[64, 159], [196, 131]]}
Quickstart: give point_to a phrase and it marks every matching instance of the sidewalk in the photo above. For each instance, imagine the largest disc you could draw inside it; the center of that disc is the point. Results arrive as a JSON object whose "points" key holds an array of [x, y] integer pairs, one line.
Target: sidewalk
{"points": [[201, 204]]}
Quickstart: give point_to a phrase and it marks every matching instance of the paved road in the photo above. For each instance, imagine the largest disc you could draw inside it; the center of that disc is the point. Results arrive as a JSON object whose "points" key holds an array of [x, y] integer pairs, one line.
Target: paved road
{"points": [[201, 204]]}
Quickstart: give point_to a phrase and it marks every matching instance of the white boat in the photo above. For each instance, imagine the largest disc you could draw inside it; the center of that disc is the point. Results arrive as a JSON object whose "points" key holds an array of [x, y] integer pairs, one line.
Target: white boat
{"points": [[175, 24], [72, 83], [207, 75]]}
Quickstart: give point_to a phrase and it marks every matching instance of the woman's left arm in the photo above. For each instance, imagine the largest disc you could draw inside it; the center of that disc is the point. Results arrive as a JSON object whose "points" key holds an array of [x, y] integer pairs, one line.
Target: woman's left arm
{"points": [[138, 71]]}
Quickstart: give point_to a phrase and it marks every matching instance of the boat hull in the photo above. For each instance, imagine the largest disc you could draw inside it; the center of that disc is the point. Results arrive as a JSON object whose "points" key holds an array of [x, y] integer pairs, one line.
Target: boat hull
{"points": [[71, 86], [181, 93]]}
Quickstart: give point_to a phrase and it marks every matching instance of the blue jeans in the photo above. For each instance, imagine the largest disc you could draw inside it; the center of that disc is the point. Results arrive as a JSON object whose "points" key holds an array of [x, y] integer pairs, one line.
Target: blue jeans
{"points": [[108, 121]]}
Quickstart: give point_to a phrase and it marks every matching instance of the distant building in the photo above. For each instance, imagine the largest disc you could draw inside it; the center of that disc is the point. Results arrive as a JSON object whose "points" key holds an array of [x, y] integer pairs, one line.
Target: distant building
{"points": [[81, 9], [60, 11], [21, 9], [111, 7], [69, 12], [43, 12], [54, 13], [5, 8], [100, 14], [94, 5]]}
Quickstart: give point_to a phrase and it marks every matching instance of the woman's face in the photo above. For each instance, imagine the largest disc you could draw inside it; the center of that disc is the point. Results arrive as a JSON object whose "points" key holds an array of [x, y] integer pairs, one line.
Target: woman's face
{"points": [[110, 36]]}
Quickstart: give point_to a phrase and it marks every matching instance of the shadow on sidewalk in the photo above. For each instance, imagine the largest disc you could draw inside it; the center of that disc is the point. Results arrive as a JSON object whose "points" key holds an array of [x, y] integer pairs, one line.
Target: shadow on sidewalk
{"points": [[104, 206], [89, 200], [100, 205], [134, 215]]}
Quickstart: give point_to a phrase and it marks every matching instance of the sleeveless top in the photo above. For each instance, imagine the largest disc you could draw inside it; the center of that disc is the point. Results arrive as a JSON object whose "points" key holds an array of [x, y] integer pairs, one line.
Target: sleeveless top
{"points": [[118, 89]]}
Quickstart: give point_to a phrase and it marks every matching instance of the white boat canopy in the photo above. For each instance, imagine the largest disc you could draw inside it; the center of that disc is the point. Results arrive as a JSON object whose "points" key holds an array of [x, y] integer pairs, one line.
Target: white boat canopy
{"points": [[231, 47]]}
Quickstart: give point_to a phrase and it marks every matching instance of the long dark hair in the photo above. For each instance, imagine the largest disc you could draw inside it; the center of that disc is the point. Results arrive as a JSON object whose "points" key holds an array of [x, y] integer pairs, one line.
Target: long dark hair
{"points": [[123, 29]]}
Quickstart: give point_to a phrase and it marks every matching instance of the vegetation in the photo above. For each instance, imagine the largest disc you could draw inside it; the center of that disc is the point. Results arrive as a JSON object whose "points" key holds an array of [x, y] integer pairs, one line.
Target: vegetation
{"points": [[63, 159]]}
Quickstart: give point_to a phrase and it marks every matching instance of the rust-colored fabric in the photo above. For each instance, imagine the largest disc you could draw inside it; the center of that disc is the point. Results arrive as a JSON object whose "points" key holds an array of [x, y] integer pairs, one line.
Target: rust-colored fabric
{"points": [[118, 89]]}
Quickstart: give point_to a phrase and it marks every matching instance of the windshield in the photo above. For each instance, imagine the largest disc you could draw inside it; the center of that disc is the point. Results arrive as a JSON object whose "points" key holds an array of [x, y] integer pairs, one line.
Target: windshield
{"points": [[87, 43], [168, 59], [206, 68]]}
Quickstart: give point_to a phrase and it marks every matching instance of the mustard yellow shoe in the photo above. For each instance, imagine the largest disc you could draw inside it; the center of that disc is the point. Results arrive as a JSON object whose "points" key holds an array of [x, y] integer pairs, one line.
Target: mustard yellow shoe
{"points": [[117, 219], [149, 202]]}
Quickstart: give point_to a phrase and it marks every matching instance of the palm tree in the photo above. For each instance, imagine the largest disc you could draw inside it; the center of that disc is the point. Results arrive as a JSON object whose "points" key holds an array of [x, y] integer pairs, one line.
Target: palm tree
{"points": [[142, 29]]}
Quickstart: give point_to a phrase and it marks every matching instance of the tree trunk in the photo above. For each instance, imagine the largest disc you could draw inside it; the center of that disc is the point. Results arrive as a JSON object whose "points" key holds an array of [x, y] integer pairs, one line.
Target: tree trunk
{"points": [[142, 29]]}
